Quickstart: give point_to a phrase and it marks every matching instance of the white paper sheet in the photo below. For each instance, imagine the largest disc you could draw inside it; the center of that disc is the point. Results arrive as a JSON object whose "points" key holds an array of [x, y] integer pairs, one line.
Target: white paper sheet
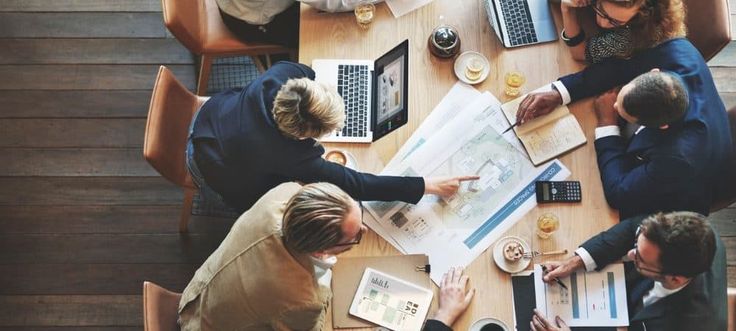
{"points": [[592, 298], [401, 7], [391, 302], [454, 231]]}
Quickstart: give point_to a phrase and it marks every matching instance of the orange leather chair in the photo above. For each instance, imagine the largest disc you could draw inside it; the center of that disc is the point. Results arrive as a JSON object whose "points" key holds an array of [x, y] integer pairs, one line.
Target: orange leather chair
{"points": [[727, 192], [169, 116], [708, 25], [197, 24], [160, 308]]}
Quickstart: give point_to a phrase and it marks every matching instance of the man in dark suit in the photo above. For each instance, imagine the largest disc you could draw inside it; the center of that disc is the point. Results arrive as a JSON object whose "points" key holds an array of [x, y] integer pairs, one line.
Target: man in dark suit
{"points": [[675, 168], [675, 272], [246, 141]]}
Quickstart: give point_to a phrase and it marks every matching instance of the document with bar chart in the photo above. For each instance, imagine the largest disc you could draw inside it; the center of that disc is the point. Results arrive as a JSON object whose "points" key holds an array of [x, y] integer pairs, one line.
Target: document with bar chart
{"points": [[591, 298]]}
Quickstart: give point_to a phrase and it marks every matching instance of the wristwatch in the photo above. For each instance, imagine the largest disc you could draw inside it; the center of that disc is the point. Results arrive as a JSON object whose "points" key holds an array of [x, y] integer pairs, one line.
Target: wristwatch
{"points": [[572, 41]]}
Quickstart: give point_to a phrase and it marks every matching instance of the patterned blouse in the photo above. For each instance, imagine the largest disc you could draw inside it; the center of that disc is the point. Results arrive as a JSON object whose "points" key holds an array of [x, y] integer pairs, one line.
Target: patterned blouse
{"points": [[607, 44]]}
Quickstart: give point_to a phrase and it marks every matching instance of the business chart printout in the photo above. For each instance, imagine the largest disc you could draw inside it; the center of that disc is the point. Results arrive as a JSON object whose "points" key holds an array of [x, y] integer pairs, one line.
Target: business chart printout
{"points": [[591, 298], [454, 231]]}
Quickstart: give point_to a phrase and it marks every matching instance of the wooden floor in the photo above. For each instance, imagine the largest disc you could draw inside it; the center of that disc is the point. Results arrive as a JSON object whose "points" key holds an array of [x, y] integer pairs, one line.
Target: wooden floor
{"points": [[83, 219]]}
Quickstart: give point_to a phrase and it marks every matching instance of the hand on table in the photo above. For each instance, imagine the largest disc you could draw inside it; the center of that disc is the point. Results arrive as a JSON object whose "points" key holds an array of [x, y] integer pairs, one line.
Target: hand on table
{"points": [[453, 297], [445, 186], [605, 112], [556, 269], [541, 323], [536, 104]]}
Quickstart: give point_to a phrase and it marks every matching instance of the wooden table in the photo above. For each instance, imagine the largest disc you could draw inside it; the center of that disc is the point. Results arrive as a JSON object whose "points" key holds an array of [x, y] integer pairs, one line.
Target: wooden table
{"points": [[338, 36]]}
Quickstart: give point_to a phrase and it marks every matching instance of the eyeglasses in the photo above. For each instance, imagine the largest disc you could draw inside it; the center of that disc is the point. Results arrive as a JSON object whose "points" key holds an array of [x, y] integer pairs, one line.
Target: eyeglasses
{"points": [[359, 236], [598, 8], [637, 256]]}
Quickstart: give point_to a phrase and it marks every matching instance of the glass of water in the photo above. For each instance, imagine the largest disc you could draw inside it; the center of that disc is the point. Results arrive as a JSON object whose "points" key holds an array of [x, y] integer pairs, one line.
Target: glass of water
{"points": [[364, 13]]}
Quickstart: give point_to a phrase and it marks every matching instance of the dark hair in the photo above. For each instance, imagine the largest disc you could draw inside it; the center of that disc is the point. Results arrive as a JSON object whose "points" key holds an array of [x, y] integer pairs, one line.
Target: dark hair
{"points": [[657, 98], [686, 242]]}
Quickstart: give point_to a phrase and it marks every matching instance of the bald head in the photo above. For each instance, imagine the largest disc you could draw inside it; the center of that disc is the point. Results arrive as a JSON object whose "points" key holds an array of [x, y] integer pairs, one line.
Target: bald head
{"points": [[656, 98]]}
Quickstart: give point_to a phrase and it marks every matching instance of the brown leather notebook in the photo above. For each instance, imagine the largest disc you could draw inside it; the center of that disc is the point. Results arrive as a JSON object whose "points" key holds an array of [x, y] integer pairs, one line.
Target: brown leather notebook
{"points": [[346, 275]]}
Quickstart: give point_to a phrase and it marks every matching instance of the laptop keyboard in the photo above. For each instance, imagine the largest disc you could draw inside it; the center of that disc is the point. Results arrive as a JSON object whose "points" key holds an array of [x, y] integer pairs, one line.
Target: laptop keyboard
{"points": [[352, 85], [519, 24]]}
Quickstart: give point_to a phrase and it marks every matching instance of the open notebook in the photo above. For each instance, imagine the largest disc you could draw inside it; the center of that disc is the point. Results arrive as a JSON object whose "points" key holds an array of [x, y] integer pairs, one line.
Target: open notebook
{"points": [[546, 137]]}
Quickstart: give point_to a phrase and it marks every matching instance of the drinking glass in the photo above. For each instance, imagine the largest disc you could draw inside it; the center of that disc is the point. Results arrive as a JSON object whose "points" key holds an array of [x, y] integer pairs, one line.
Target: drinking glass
{"points": [[514, 81], [364, 13], [547, 224]]}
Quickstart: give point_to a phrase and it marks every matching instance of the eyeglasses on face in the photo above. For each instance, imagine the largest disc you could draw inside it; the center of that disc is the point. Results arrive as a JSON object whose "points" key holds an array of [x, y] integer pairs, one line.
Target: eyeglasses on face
{"points": [[598, 8], [359, 236], [637, 256]]}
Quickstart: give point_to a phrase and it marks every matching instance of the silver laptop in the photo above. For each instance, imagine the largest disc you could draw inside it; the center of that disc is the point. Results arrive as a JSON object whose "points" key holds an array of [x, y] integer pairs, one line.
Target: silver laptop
{"points": [[521, 22], [375, 93]]}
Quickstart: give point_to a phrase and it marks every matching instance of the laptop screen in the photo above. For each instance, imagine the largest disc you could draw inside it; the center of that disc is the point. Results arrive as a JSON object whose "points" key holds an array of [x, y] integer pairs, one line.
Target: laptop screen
{"points": [[391, 91]]}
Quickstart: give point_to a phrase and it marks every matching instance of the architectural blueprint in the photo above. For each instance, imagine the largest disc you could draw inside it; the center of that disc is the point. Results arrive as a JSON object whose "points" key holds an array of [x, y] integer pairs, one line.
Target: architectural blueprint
{"points": [[455, 230]]}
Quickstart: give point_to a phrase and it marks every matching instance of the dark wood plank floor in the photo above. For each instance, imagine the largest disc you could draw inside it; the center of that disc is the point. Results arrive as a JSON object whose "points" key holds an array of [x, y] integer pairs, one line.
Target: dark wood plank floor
{"points": [[83, 219]]}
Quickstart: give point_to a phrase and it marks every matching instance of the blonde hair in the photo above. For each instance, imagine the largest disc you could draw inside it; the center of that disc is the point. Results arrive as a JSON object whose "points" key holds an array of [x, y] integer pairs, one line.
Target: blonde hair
{"points": [[314, 216], [306, 109]]}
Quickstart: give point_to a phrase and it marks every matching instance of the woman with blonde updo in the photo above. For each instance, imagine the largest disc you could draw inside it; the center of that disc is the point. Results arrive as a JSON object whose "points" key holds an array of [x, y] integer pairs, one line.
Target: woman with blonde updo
{"points": [[625, 26], [246, 141]]}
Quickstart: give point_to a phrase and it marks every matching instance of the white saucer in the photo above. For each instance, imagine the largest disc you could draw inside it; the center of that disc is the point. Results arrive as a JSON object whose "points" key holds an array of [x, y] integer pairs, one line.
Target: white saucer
{"points": [[351, 163], [460, 67], [505, 265], [477, 325]]}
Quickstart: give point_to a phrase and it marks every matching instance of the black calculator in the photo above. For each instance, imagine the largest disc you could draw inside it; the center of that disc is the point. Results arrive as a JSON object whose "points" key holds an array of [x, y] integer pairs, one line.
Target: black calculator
{"points": [[563, 191]]}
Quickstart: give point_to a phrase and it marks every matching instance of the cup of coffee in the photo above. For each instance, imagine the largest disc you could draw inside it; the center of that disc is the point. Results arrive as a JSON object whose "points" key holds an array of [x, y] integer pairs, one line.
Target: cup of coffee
{"points": [[489, 324], [492, 327], [336, 156]]}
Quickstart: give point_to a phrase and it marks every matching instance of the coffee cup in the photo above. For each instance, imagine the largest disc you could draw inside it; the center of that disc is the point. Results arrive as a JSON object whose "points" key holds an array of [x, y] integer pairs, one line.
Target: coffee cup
{"points": [[336, 156], [489, 324]]}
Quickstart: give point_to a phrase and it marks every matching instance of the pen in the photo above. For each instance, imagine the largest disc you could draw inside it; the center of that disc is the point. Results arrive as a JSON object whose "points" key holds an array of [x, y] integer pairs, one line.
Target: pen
{"points": [[557, 280], [511, 127]]}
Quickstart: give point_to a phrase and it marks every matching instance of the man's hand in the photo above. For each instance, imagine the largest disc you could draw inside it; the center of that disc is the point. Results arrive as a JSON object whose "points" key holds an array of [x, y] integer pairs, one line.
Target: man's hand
{"points": [[445, 186], [562, 269], [537, 104], [453, 297], [605, 112], [541, 323]]}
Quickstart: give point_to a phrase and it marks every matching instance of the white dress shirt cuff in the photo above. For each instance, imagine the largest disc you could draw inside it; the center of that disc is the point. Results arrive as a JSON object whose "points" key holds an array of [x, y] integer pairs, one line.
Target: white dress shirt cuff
{"points": [[590, 264], [563, 92], [608, 130]]}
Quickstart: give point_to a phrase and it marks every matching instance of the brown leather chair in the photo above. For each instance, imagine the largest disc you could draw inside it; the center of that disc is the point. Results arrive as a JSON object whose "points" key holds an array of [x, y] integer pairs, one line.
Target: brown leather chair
{"points": [[726, 194], [169, 115], [708, 25], [197, 24], [160, 308]]}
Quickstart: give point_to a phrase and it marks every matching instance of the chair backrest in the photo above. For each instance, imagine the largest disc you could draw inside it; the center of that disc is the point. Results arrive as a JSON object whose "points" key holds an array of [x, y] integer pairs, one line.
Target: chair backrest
{"points": [[726, 191], [187, 22], [708, 25], [169, 116], [160, 308]]}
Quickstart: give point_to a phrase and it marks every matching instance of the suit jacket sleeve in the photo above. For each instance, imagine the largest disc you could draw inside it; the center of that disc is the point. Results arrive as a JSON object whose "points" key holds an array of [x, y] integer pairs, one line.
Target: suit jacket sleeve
{"points": [[610, 245], [435, 325], [600, 77], [627, 185], [359, 185]]}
